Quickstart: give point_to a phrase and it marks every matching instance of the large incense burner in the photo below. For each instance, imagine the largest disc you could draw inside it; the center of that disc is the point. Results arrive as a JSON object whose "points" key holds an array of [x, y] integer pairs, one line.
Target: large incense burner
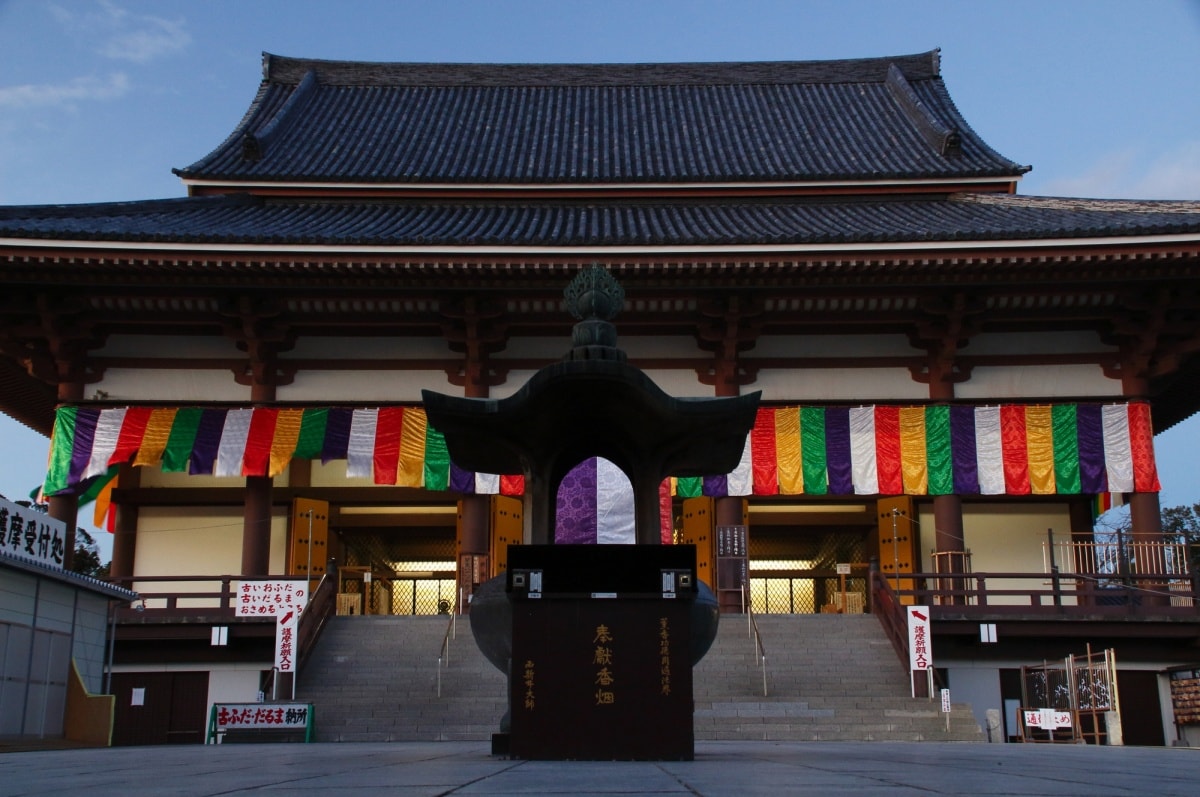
{"points": [[592, 403]]}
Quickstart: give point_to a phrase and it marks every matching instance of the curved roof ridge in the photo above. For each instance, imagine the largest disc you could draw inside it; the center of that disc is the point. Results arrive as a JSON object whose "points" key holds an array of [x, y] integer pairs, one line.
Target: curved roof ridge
{"points": [[287, 70]]}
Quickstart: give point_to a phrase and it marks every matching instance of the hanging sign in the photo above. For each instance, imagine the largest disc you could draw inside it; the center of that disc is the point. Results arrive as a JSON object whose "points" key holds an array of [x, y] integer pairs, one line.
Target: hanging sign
{"points": [[283, 600]]}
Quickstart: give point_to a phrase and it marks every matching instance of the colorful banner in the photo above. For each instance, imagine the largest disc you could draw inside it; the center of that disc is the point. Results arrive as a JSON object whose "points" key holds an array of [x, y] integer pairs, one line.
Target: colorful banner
{"points": [[1009, 449]]}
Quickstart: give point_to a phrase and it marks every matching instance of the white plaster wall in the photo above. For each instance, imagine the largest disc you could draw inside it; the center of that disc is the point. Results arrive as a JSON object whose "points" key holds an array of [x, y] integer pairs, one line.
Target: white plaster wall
{"points": [[235, 683], [368, 348], [333, 474], [186, 387], [197, 541], [153, 476], [551, 348], [1067, 342], [682, 383], [868, 385], [1041, 381], [1007, 538], [848, 346], [358, 387], [645, 346], [169, 347]]}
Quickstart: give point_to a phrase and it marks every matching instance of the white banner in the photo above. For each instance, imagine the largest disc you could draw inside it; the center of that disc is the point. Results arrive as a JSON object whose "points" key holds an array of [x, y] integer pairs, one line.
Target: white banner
{"points": [[920, 647], [31, 535]]}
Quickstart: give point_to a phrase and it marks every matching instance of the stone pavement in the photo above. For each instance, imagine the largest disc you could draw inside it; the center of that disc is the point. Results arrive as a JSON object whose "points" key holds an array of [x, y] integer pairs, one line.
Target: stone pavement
{"points": [[895, 769]]}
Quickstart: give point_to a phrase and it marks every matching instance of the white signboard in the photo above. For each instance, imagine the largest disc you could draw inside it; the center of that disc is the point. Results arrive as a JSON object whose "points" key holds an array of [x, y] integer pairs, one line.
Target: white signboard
{"points": [[1047, 719], [244, 716], [945, 701], [31, 535], [920, 648], [283, 600]]}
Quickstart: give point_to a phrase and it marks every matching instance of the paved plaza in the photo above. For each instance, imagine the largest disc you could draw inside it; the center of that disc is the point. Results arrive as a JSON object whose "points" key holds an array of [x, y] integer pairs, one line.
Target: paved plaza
{"points": [[720, 768]]}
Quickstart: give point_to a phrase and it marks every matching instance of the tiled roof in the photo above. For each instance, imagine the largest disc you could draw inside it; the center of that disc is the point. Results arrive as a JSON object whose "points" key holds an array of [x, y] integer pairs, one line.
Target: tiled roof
{"points": [[245, 219], [548, 124]]}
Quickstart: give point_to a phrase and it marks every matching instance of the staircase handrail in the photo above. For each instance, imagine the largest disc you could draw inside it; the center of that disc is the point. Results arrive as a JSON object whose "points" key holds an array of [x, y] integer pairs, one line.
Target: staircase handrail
{"points": [[760, 650], [444, 650], [321, 606], [887, 609]]}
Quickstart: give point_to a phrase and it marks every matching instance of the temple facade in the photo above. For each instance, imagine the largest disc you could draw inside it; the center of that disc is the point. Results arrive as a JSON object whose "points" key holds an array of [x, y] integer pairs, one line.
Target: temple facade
{"points": [[953, 375]]}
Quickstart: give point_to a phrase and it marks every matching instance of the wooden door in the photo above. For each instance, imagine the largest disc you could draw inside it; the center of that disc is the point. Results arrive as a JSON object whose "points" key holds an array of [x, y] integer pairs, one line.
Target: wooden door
{"points": [[160, 708], [698, 524], [897, 536], [507, 528], [309, 550]]}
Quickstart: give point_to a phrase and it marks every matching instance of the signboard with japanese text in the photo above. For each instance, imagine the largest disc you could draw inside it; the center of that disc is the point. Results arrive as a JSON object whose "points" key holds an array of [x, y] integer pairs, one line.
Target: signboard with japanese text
{"points": [[602, 679], [282, 599], [920, 647], [259, 717], [1047, 719], [601, 652], [32, 536]]}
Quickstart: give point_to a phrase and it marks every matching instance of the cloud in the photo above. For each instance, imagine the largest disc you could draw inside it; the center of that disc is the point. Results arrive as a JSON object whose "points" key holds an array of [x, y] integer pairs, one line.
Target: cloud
{"points": [[1172, 174], [123, 35], [90, 89]]}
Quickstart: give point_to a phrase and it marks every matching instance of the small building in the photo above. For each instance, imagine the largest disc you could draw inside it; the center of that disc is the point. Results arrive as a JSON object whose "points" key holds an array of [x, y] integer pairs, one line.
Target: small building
{"points": [[54, 637], [953, 375]]}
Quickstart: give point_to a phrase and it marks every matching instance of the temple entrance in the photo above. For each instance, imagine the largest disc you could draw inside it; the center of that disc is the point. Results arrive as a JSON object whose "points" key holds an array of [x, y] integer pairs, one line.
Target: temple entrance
{"points": [[398, 572], [794, 570]]}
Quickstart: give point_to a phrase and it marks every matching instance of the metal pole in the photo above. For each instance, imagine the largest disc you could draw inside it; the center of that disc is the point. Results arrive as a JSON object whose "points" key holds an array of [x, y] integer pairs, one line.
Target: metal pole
{"points": [[112, 641]]}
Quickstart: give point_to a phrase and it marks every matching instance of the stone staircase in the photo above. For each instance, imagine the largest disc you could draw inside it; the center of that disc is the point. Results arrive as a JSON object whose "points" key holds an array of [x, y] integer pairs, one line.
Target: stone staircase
{"points": [[829, 677], [375, 679]]}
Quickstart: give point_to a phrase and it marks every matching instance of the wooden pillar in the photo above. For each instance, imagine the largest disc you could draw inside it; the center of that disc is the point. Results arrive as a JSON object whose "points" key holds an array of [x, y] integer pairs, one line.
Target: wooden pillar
{"points": [[950, 550], [948, 528], [125, 530], [66, 509], [256, 527], [256, 511], [1146, 520]]}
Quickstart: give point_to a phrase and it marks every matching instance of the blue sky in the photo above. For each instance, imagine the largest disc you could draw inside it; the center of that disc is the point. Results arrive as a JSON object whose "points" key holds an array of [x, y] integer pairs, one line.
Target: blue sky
{"points": [[100, 99]]}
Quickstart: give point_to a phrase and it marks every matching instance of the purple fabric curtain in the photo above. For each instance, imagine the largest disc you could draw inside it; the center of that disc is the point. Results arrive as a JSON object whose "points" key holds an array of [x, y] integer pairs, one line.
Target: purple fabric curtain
{"points": [[962, 446], [575, 506]]}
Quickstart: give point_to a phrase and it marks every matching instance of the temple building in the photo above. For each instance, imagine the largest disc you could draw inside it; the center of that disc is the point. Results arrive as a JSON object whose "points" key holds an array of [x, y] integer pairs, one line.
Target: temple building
{"points": [[953, 375]]}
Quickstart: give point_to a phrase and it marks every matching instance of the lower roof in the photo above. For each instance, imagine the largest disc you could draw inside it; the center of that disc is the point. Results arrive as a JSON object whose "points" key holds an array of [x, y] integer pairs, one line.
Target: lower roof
{"points": [[241, 219]]}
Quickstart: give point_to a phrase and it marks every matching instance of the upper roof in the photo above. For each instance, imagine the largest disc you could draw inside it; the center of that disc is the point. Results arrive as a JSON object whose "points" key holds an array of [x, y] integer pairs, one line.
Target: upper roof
{"points": [[593, 124]]}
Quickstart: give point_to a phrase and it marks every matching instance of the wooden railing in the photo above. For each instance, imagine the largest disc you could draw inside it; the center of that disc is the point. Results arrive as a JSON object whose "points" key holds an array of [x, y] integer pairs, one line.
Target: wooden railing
{"points": [[1038, 595]]}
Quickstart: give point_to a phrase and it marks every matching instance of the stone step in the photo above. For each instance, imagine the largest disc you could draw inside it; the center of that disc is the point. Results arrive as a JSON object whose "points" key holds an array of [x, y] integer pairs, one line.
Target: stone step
{"points": [[829, 678]]}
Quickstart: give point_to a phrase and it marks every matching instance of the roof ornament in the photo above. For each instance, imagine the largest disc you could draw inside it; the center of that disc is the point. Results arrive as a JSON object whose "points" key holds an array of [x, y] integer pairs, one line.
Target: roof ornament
{"points": [[595, 298]]}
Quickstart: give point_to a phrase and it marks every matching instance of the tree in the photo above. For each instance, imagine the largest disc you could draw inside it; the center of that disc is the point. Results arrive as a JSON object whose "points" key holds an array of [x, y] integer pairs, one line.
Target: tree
{"points": [[1182, 524], [87, 556]]}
